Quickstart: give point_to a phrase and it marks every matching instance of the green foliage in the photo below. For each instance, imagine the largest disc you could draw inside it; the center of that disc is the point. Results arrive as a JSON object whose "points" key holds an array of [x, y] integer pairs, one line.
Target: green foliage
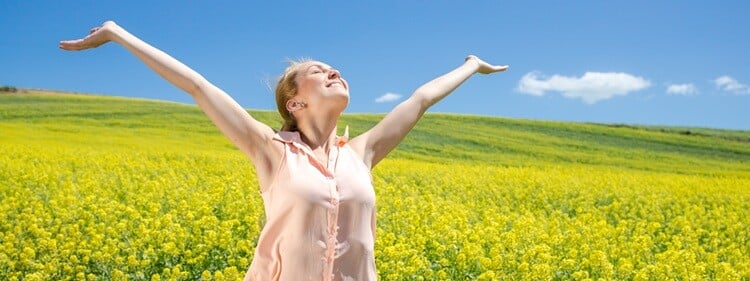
{"points": [[8, 89], [98, 121]]}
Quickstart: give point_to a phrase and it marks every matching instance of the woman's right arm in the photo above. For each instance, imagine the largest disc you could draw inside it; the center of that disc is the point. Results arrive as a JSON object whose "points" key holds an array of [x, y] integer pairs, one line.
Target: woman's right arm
{"points": [[251, 136]]}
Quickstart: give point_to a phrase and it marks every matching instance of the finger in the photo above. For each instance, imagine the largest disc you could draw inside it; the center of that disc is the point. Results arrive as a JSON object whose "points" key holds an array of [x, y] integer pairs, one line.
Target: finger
{"points": [[70, 44], [67, 47], [501, 68]]}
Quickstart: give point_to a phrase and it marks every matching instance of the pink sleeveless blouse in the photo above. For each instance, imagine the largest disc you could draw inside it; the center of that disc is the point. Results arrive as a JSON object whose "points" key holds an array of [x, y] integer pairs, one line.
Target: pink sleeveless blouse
{"points": [[320, 217]]}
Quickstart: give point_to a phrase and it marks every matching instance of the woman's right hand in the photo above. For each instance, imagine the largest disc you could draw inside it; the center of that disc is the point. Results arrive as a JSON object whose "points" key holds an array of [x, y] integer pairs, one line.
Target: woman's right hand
{"points": [[97, 36], [484, 67]]}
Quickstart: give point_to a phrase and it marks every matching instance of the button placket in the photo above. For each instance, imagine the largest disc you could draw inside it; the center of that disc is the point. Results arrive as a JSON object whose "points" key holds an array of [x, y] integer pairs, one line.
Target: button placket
{"points": [[332, 242]]}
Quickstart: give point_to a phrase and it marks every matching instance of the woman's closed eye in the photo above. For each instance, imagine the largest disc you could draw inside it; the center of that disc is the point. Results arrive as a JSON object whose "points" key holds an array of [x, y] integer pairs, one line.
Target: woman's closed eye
{"points": [[315, 69]]}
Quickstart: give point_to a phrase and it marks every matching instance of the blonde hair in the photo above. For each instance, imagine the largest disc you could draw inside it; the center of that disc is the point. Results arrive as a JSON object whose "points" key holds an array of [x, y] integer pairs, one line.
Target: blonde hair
{"points": [[286, 89]]}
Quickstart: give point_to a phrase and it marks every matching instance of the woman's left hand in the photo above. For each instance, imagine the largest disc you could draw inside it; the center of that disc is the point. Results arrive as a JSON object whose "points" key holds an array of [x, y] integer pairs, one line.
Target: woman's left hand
{"points": [[484, 67], [97, 37]]}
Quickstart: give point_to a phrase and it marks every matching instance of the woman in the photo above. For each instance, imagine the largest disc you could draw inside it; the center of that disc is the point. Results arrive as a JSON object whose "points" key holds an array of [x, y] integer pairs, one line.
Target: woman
{"points": [[316, 187]]}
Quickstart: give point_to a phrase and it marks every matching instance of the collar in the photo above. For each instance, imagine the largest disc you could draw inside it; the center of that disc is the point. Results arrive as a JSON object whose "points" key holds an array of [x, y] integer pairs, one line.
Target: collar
{"points": [[294, 138]]}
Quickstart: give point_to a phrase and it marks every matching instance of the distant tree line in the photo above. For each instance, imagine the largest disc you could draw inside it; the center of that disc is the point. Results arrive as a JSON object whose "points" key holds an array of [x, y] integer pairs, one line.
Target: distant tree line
{"points": [[9, 89]]}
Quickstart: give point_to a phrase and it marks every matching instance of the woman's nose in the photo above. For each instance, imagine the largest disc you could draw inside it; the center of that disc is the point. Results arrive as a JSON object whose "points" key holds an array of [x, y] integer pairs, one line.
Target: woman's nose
{"points": [[333, 74]]}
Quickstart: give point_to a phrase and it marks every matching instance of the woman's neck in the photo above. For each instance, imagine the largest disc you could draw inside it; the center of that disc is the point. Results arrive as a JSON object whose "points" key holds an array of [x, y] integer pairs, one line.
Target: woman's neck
{"points": [[320, 133]]}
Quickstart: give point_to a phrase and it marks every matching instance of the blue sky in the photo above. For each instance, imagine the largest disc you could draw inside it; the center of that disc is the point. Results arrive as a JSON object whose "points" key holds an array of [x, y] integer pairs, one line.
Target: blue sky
{"points": [[680, 63]]}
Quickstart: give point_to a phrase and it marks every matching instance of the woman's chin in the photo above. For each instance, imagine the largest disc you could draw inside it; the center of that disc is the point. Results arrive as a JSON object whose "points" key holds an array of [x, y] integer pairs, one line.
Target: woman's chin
{"points": [[340, 95]]}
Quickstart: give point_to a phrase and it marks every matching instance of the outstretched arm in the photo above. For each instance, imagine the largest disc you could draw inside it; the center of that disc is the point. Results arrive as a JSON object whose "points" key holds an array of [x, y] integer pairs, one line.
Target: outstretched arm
{"points": [[250, 135], [376, 143]]}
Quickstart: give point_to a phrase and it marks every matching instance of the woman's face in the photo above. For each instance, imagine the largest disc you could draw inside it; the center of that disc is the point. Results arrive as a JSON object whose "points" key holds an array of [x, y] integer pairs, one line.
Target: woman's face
{"points": [[318, 82]]}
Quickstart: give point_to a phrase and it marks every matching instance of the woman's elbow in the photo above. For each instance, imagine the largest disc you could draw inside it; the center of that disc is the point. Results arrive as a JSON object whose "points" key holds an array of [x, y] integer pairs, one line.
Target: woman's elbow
{"points": [[197, 86], [422, 99]]}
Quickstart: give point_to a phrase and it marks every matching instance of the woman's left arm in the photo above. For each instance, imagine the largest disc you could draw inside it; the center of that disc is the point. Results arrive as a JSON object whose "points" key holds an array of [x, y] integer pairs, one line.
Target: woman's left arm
{"points": [[376, 143]]}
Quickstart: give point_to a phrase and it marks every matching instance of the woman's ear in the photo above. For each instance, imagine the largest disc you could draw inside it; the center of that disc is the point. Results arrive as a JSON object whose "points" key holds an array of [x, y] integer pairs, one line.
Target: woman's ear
{"points": [[293, 105]]}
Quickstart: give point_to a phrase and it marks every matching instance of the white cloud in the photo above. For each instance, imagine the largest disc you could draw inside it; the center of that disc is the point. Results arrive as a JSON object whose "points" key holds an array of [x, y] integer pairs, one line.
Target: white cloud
{"points": [[682, 89], [388, 97], [591, 87], [728, 84]]}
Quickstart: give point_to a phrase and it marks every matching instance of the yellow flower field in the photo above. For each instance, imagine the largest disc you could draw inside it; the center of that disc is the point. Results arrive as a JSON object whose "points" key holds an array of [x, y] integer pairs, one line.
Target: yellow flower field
{"points": [[86, 205]]}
